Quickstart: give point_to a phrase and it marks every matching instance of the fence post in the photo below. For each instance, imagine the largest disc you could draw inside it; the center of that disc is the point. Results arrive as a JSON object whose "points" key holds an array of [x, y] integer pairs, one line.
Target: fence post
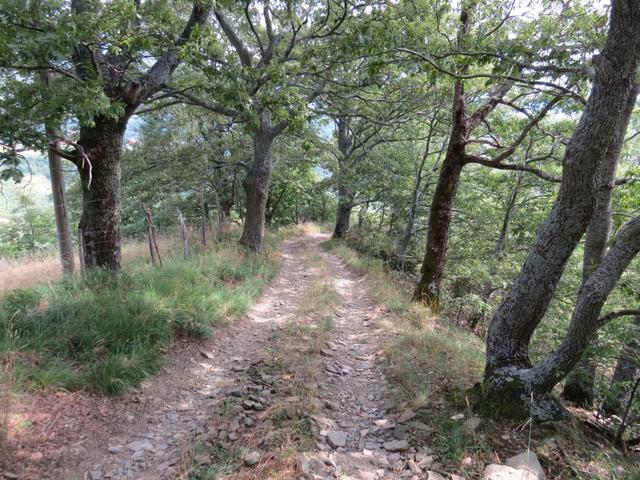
{"points": [[83, 266], [153, 244], [205, 217], [185, 234]]}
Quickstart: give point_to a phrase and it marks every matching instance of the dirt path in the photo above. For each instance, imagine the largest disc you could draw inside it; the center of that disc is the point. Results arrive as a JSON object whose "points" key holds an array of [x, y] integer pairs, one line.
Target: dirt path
{"points": [[144, 435]]}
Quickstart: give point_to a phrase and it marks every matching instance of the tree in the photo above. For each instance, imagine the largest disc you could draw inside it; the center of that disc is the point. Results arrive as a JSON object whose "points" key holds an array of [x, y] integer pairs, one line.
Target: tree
{"points": [[105, 63], [512, 384], [472, 128], [211, 155], [29, 230], [579, 386], [274, 76]]}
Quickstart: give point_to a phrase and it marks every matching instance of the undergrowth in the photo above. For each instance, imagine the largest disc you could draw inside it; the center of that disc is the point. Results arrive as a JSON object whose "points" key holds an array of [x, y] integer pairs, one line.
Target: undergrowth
{"points": [[106, 331]]}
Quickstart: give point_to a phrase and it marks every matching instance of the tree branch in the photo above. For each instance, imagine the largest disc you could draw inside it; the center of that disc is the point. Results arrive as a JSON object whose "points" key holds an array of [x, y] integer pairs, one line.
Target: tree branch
{"points": [[241, 50], [191, 99], [627, 312], [158, 76]]}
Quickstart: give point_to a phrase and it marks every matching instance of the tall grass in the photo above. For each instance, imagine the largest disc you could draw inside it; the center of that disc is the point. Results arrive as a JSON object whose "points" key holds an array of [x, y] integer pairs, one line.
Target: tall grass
{"points": [[106, 331]]}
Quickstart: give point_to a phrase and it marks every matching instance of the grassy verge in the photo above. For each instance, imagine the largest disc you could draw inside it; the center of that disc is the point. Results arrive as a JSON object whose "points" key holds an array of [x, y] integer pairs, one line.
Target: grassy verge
{"points": [[106, 332], [291, 362], [432, 366]]}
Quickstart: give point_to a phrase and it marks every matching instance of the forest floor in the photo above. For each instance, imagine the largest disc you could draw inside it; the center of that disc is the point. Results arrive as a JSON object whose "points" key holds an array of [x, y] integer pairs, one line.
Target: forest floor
{"points": [[331, 374], [226, 392]]}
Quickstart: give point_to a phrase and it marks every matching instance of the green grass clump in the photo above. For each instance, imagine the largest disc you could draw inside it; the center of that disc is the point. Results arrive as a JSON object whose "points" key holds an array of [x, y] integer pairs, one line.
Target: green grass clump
{"points": [[104, 331], [217, 461]]}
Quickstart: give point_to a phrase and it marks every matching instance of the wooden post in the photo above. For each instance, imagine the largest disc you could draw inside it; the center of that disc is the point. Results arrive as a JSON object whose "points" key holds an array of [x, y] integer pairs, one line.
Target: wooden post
{"points": [[185, 235], [58, 194], [81, 250], [147, 215], [205, 220], [154, 231], [153, 244]]}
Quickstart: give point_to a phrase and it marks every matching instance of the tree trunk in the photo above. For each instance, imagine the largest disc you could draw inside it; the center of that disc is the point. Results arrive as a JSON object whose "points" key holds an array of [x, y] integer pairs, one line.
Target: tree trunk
{"points": [[428, 287], [343, 215], [625, 372], [345, 195], [510, 380], [580, 383], [101, 194], [256, 186]]}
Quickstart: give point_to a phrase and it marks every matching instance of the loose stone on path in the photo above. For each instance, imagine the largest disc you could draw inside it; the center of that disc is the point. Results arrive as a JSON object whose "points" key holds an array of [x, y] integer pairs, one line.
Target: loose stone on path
{"points": [[337, 439]]}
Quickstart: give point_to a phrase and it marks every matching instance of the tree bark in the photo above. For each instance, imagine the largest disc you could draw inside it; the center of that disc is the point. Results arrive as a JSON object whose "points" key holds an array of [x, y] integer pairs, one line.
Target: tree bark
{"points": [[428, 287], [580, 383], [510, 379], [256, 185], [101, 192]]}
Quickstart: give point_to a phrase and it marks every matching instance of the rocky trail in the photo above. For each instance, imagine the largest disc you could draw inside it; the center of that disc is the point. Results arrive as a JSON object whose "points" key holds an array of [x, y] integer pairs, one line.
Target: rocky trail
{"points": [[147, 434], [363, 439]]}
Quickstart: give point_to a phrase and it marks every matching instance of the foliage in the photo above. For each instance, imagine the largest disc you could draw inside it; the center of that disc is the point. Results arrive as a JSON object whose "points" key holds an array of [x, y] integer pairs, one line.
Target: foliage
{"points": [[30, 230]]}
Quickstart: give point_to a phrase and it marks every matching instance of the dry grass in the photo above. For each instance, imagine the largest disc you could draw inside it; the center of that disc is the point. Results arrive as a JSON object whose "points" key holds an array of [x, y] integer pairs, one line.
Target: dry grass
{"points": [[31, 270]]}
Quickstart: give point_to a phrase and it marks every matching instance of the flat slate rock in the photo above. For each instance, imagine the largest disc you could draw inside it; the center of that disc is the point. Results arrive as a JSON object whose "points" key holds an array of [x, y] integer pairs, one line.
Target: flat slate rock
{"points": [[505, 472], [527, 461], [396, 445], [140, 445], [337, 439]]}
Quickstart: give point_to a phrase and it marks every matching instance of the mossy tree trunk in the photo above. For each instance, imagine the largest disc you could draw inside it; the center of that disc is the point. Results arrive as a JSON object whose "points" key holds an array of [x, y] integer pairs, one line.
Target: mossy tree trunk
{"points": [[508, 363], [580, 383]]}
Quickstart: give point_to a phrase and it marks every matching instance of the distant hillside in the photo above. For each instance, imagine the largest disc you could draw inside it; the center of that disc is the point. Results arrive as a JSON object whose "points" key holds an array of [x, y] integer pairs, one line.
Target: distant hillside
{"points": [[35, 163]]}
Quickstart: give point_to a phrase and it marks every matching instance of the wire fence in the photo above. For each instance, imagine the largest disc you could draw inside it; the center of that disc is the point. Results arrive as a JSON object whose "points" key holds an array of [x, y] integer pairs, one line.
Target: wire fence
{"points": [[46, 266]]}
